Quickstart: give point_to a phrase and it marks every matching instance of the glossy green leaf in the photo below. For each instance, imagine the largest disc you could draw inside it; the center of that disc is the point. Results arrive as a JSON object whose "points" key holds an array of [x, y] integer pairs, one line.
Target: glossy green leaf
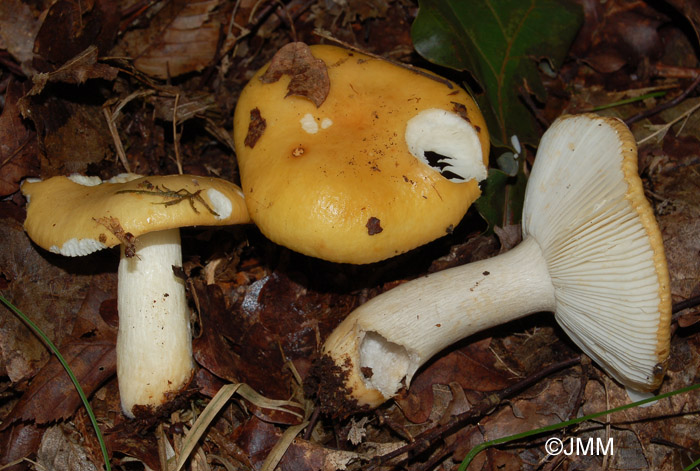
{"points": [[500, 42]]}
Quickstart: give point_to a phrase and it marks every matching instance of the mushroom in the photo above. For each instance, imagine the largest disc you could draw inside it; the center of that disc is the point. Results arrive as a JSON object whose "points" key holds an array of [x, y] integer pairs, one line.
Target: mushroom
{"points": [[77, 215], [354, 159], [591, 253]]}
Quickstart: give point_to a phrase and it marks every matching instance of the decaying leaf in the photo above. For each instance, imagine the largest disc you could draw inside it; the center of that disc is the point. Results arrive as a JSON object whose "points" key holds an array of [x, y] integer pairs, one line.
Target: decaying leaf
{"points": [[59, 452], [276, 321], [127, 239], [18, 26], [19, 441], [473, 367], [90, 352], [18, 149], [71, 27], [76, 70], [182, 37], [309, 76], [256, 438], [255, 128], [71, 134], [48, 289]]}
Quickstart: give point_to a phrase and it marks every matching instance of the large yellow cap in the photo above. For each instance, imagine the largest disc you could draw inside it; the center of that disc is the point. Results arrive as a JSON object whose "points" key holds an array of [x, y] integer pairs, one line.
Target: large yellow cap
{"points": [[388, 160]]}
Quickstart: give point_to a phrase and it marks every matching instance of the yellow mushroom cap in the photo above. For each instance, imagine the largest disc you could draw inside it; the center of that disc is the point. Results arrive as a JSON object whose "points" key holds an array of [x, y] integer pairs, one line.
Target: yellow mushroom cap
{"points": [[71, 218], [350, 180]]}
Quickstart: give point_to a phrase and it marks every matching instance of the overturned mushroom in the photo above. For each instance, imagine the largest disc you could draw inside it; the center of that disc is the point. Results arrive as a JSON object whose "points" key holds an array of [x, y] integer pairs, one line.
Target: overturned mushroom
{"points": [[592, 254], [76, 216], [351, 158]]}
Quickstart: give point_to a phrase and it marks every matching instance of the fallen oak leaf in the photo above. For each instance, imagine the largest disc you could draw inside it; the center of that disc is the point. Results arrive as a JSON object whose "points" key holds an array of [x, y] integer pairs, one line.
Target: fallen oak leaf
{"points": [[309, 74]]}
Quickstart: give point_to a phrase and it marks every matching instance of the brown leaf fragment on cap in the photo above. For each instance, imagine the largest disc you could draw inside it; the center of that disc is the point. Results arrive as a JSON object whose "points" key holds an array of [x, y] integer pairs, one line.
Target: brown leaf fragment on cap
{"points": [[256, 127], [126, 238], [309, 74], [460, 109], [373, 226]]}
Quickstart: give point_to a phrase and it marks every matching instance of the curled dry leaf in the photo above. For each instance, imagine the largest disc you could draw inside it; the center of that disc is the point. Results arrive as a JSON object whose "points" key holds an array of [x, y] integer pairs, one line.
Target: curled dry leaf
{"points": [[309, 74]]}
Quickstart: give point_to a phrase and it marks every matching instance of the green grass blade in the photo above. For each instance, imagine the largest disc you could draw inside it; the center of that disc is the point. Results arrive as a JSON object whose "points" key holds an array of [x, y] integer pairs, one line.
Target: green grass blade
{"points": [[692, 465], [78, 388], [627, 101], [498, 441]]}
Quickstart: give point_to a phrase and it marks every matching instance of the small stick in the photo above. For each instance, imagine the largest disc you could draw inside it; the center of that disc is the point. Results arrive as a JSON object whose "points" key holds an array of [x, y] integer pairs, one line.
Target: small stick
{"points": [[117, 140], [176, 197], [176, 141], [687, 304], [664, 106]]}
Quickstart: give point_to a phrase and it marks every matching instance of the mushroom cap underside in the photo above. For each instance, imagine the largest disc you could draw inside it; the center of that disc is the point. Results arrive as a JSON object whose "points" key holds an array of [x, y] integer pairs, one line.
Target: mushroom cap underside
{"points": [[586, 208], [338, 181], [76, 219]]}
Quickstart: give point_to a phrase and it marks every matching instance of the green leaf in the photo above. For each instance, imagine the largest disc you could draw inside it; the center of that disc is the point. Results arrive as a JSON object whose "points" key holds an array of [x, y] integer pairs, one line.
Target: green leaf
{"points": [[500, 42], [501, 200]]}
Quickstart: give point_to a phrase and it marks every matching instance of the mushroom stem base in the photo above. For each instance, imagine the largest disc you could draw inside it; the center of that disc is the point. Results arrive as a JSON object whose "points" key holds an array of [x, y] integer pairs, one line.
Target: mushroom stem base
{"points": [[154, 345], [381, 344]]}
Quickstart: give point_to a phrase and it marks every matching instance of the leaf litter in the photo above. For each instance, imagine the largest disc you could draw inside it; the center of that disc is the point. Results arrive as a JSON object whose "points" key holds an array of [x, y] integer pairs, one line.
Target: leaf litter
{"points": [[261, 313]]}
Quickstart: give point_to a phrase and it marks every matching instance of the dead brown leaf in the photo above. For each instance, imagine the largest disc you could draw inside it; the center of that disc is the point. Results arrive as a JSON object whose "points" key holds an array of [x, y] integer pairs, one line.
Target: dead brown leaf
{"points": [[255, 128], [61, 452], [257, 438], [19, 24], [71, 134], [182, 37], [71, 27], [19, 441], [76, 70], [619, 35], [18, 148], [689, 8], [90, 353], [276, 321], [473, 367], [309, 76], [49, 289]]}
